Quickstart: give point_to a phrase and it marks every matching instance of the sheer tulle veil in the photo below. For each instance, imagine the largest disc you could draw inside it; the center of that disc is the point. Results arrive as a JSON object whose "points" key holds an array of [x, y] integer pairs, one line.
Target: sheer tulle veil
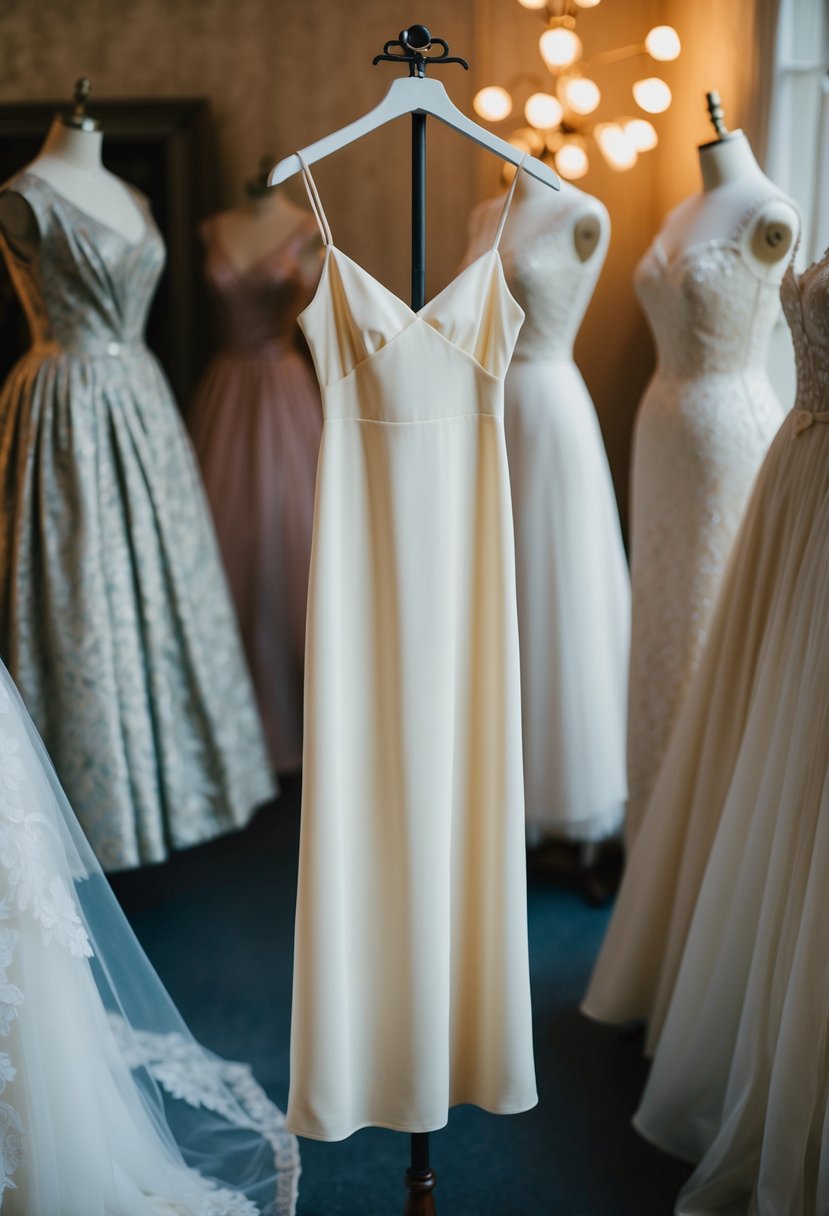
{"points": [[108, 1106]]}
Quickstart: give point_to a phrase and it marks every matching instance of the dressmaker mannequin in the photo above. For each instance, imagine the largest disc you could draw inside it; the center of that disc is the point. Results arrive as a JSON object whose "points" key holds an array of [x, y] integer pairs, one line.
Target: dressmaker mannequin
{"points": [[732, 184], [710, 287], [571, 575], [256, 422], [265, 220], [70, 162]]}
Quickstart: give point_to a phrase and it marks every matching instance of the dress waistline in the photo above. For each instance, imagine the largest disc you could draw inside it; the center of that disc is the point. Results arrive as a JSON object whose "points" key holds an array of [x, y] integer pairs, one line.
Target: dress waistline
{"points": [[91, 349]]}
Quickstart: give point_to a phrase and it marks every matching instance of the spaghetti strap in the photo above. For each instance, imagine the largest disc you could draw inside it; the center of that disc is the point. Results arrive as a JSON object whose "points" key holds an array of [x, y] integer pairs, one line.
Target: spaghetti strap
{"points": [[316, 201], [507, 201]]}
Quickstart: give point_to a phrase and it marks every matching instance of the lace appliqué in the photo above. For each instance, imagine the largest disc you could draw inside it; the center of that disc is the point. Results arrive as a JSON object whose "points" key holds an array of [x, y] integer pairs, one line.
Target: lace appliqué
{"points": [[12, 1136], [21, 854], [30, 888], [189, 1074], [805, 297]]}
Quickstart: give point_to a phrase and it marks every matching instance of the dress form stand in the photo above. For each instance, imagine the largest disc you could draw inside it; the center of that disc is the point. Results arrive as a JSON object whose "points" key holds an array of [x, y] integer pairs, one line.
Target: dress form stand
{"points": [[590, 235], [414, 44], [710, 284], [70, 161], [571, 573], [397, 1045]]}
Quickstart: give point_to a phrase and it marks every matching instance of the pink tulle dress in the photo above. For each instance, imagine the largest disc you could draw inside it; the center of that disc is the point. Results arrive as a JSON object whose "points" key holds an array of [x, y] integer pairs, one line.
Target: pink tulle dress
{"points": [[256, 422]]}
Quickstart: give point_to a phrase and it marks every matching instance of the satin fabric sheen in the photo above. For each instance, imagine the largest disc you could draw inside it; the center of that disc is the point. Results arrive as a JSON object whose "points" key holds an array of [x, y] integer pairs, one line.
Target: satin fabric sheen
{"points": [[411, 983], [720, 933]]}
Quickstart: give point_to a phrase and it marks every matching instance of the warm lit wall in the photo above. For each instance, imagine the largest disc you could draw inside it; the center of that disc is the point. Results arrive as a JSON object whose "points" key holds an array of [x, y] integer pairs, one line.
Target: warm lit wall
{"points": [[280, 73], [718, 39], [613, 348]]}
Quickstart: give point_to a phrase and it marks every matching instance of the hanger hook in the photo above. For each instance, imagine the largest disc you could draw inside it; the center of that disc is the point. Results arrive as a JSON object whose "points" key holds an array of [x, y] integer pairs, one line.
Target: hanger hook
{"points": [[415, 44]]}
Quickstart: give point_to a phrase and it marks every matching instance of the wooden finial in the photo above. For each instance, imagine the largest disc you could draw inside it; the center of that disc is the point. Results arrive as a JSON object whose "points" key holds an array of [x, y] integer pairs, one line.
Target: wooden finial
{"points": [[79, 117], [717, 114]]}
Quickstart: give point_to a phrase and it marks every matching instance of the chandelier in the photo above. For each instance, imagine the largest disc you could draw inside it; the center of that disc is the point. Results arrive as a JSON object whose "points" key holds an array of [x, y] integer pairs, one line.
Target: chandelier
{"points": [[558, 110]]}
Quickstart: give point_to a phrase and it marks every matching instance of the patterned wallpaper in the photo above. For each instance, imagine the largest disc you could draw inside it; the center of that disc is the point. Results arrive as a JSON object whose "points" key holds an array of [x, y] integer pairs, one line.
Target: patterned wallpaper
{"points": [[278, 73]]}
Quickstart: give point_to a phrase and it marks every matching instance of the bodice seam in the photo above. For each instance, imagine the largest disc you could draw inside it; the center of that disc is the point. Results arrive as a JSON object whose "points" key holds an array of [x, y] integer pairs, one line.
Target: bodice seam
{"points": [[499, 418], [415, 319]]}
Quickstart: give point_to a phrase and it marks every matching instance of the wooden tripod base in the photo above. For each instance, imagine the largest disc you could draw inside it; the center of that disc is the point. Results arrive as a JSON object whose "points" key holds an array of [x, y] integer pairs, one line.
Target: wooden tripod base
{"points": [[420, 1201]]}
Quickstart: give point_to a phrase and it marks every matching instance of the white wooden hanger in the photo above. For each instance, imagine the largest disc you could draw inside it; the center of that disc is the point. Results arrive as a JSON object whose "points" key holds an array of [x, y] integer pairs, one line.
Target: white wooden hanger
{"points": [[412, 95]]}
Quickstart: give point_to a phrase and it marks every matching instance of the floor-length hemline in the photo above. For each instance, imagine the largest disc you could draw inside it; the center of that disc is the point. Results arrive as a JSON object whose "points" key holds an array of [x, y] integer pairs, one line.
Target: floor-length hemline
{"points": [[412, 1130]]}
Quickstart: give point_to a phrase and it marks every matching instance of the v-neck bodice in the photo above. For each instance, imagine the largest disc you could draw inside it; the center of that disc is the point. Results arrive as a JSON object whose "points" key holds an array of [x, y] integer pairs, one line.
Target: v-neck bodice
{"points": [[88, 289], [379, 360]]}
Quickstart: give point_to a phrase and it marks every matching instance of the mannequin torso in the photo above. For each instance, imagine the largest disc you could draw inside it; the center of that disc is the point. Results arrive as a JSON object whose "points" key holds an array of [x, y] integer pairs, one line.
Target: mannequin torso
{"points": [[590, 225], [734, 185], [70, 162], [259, 226]]}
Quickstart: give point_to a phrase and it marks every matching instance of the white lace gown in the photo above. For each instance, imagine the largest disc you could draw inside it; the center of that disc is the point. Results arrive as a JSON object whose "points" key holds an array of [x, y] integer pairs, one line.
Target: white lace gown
{"points": [[720, 935], [703, 428], [108, 1107], [571, 573]]}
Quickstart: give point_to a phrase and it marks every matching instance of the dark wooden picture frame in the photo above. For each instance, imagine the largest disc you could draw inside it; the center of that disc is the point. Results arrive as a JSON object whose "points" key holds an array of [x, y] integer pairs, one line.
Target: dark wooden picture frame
{"points": [[166, 148]]}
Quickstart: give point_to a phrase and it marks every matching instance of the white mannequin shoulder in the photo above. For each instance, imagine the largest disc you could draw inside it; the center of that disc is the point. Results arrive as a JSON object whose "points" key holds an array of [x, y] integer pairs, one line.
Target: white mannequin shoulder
{"points": [[591, 229], [771, 236], [586, 217]]}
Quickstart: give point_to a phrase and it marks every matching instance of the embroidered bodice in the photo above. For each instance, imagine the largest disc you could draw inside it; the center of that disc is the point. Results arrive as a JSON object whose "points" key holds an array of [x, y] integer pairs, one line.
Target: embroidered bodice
{"points": [[88, 290], [258, 306], [805, 300], [543, 271], [709, 310]]}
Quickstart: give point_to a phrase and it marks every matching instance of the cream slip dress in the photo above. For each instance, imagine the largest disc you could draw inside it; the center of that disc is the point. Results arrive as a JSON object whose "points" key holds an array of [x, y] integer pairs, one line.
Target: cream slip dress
{"points": [[411, 979]]}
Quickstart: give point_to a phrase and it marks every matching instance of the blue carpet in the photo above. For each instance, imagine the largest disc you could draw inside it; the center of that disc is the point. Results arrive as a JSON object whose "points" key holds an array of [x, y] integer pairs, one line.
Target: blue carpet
{"points": [[217, 922]]}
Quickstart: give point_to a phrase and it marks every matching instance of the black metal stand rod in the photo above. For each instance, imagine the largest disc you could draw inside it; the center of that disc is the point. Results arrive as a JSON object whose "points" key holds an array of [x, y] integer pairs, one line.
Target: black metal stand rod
{"points": [[418, 211], [420, 1179]]}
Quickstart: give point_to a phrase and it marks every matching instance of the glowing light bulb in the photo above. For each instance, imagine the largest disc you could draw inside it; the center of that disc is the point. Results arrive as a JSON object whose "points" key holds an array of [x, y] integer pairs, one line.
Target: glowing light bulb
{"points": [[543, 111], [533, 3], [587, 4], [528, 140], [642, 133], [616, 145], [582, 95], [519, 140], [492, 103], [560, 47], [663, 43], [571, 161], [652, 95]]}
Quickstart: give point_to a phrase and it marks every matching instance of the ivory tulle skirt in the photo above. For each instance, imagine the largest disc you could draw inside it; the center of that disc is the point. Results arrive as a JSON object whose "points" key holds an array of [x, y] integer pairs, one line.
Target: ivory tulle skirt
{"points": [[720, 937], [256, 423], [573, 605]]}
